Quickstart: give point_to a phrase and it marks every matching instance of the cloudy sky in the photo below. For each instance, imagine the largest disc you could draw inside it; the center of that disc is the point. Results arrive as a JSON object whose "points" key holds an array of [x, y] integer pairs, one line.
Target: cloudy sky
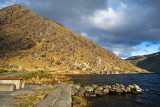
{"points": [[124, 27]]}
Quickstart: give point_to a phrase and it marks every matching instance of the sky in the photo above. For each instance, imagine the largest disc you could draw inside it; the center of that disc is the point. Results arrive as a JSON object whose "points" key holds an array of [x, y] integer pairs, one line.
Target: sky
{"points": [[124, 27]]}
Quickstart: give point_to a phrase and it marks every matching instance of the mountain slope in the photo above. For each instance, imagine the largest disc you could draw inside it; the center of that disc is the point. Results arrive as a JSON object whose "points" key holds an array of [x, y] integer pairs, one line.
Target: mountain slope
{"points": [[29, 41], [149, 62]]}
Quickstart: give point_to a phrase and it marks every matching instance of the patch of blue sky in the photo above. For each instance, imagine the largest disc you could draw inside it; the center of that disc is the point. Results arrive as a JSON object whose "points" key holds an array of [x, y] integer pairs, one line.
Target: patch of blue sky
{"points": [[146, 48], [114, 6]]}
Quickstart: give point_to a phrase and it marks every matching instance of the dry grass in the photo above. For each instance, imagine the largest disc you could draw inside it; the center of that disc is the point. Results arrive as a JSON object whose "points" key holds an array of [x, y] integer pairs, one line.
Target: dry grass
{"points": [[32, 99], [79, 101], [44, 77]]}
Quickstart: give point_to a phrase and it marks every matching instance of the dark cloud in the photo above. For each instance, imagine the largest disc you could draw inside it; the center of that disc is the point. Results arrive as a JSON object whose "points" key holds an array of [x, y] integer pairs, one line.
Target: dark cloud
{"points": [[66, 12]]}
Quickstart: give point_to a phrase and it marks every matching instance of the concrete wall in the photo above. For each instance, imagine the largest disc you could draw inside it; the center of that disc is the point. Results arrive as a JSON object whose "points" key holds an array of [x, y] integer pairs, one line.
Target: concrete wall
{"points": [[16, 82], [22, 83], [7, 87], [59, 97]]}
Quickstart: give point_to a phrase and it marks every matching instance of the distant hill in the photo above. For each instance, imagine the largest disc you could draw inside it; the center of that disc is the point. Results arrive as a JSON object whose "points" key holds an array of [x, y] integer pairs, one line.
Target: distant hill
{"points": [[150, 62], [31, 42]]}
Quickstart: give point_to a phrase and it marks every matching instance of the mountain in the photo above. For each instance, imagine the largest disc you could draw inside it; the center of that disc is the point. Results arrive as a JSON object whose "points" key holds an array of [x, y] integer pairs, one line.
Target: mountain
{"points": [[150, 62], [31, 42]]}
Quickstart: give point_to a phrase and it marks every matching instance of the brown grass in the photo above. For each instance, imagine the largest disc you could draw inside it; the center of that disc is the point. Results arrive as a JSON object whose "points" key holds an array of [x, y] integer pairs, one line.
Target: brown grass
{"points": [[32, 99], [79, 101]]}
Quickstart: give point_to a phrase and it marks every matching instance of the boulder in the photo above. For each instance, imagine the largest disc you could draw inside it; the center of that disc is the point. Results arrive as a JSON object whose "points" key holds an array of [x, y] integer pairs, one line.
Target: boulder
{"points": [[106, 91], [122, 86], [117, 85], [128, 89], [80, 92], [76, 86], [99, 93], [131, 87], [100, 88], [113, 86], [87, 94], [137, 89], [146, 90], [118, 90], [90, 94], [107, 87], [124, 90], [112, 90], [88, 88], [94, 86]]}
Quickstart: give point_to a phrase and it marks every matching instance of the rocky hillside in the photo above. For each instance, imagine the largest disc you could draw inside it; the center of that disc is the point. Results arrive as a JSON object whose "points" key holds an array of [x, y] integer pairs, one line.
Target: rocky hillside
{"points": [[29, 41], [149, 62]]}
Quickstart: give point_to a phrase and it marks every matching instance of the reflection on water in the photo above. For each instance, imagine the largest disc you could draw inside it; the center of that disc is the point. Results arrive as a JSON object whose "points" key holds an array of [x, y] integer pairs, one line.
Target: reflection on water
{"points": [[145, 81]]}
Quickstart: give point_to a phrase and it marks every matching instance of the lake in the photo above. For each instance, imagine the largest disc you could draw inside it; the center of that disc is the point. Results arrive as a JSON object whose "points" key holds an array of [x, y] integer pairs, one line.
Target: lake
{"points": [[145, 81]]}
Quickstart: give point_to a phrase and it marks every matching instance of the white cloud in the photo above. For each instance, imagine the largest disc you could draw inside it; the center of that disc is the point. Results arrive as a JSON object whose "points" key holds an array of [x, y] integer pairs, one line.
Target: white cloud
{"points": [[123, 19], [109, 19], [84, 34], [121, 50]]}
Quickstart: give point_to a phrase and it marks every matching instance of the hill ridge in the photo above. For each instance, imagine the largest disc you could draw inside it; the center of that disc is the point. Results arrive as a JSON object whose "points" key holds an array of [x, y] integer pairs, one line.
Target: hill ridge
{"points": [[149, 62]]}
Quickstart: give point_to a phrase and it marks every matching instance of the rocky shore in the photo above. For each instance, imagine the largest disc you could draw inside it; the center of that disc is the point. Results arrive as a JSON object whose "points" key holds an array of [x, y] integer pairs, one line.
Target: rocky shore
{"points": [[96, 91]]}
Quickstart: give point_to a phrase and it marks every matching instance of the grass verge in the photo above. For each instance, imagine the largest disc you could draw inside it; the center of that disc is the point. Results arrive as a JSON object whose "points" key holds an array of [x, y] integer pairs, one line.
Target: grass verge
{"points": [[79, 102]]}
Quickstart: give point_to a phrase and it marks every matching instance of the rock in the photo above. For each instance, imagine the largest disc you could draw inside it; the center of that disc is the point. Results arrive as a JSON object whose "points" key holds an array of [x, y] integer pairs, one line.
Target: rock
{"points": [[139, 90], [80, 92], [118, 90], [93, 95], [117, 85], [128, 89], [88, 88], [112, 90], [100, 88], [75, 86], [87, 94], [131, 87], [106, 91], [90, 94], [94, 86], [113, 86], [146, 90], [137, 87], [107, 86], [122, 86], [124, 90], [99, 93]]}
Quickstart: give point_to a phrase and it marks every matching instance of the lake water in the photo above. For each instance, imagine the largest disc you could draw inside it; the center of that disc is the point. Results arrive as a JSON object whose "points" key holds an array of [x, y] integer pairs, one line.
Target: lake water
{"points": [[145, 81]]}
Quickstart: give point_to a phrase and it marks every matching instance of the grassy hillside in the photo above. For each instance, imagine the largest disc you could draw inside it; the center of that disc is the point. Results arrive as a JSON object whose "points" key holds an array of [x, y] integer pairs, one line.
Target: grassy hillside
{"points": [[31, 42], [149, 62]]}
